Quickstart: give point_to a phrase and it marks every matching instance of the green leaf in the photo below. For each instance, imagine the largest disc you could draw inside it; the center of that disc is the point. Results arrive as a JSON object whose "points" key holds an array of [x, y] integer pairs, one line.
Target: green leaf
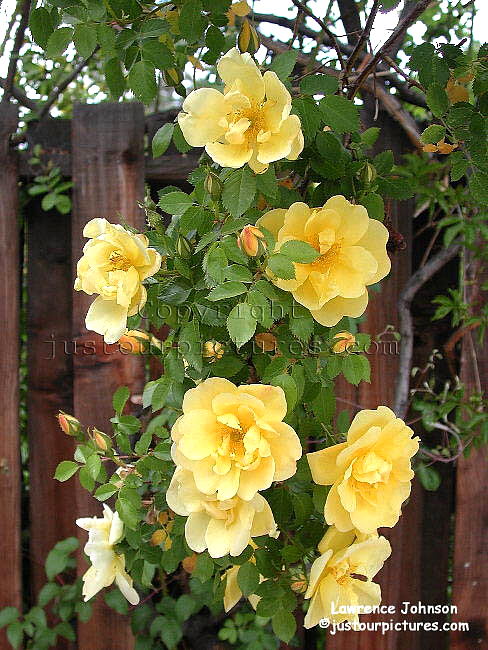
{"points": [[190, 344], [120, 398], [214, 39], [284, 63], [175, 202], [142, 81], [478, 184], [158, 400], [339, 113], [185, 606], [331, 162], [58, 42], [115, 78], [459, 165], [65, 630], [281, 266], [85, 39], [191, 21], [162, 139], [428, 476], [227, 290], [284, 625], [41, 25], [319, 84], [356, 368], [105, 491], [437, 100], [383, 162], [214, 264], [422, 56], [241, 324], [15, 634], [93, 465], [248, 578], [375, 206], [142, 445], [65, 470], [157, 53], [116, 601], [433, 134], [299, 251], [267, 183], [287, 383], [370, 136], [395, 188], [310, 117], [8, 615], [49, 591], [301, 323], [204, 568], [239, 191]]}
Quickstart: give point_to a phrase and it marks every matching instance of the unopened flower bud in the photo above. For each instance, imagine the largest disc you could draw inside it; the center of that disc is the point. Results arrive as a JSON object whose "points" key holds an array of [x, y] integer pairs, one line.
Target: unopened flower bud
{"points": [[172, 77], [183, 247], [213, 351], [69, 424], [134, 341], [368, 174], [101, 440], [248, 39], [250, 241], [213, 185], [345, 340]]}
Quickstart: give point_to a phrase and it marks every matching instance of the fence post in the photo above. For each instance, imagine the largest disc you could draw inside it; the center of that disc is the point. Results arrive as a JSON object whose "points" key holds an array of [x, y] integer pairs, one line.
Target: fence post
{"points": [[470, 566], [108, 176], [10, 274], [400, 576], [49, 360]]}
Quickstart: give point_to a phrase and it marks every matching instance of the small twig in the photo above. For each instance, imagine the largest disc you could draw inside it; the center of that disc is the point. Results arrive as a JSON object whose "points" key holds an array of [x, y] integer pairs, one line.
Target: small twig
{"points": [[20, 96], [57, 90], [399, 31], [324, 28], [411, 82], [418, 279], [363, 38], [14, 55]]}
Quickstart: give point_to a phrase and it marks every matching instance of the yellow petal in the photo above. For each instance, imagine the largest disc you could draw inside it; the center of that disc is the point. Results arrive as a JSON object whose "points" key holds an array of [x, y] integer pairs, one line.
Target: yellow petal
{"points": [[239, 71], [108, 318], [201, 114], [333, 310], [323, 464], [229, 155]]}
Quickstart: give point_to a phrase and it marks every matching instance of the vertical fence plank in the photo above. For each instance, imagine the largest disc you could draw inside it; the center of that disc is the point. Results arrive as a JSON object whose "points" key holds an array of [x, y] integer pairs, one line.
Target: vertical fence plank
{"points": [[49, 359], [10, 273], [108, 176], [400, 576], [471, 531]]}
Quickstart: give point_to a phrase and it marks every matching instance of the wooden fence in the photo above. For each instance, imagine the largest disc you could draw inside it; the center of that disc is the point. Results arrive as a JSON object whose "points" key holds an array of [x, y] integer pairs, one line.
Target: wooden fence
{"points": [[102, 151]]}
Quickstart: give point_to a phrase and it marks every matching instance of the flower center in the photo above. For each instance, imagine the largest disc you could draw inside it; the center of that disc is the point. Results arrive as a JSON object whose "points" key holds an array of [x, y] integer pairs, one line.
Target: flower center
{"points": [[324, 262], [119, 262]]}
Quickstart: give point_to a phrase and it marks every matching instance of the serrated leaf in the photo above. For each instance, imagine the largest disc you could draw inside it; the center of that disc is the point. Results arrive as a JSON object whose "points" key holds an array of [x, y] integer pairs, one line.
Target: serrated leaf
{"points": [[283, 64], [105, 491], [299, 251], [437, 100], [287, 383], [227, 290], [41, 25], [281, 266], [239, 191], [191, 21], [339, 113], [162, 139], [459, 165], [284, 625], [241, 324], [157, 53], [356, 368], [433, 134], [248, 578], [58, 42], [190, 344], [175, 202], [301, 323], [319, 84], [142, 81], [310, 117], [120, 398], [85, 39], [375, 206], [65, 470], [114, 77]]}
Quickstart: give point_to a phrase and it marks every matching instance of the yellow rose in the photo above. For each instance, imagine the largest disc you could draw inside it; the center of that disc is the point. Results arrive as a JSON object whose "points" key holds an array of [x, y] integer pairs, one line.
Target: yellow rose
{"points": [[352, 251], [138, 342], [224, 527], [233, 438], [107, 566], [114, 264], [249, 122], [342, 576], [370, 473]]}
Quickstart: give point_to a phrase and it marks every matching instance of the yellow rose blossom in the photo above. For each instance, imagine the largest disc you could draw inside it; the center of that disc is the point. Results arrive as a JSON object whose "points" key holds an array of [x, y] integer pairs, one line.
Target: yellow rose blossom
{"points": [[370, 473], [352, 256], [344, 341], [233, 438], [107, 567], [342, 576], [114, 264], [249, 122], [222, 527]]}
